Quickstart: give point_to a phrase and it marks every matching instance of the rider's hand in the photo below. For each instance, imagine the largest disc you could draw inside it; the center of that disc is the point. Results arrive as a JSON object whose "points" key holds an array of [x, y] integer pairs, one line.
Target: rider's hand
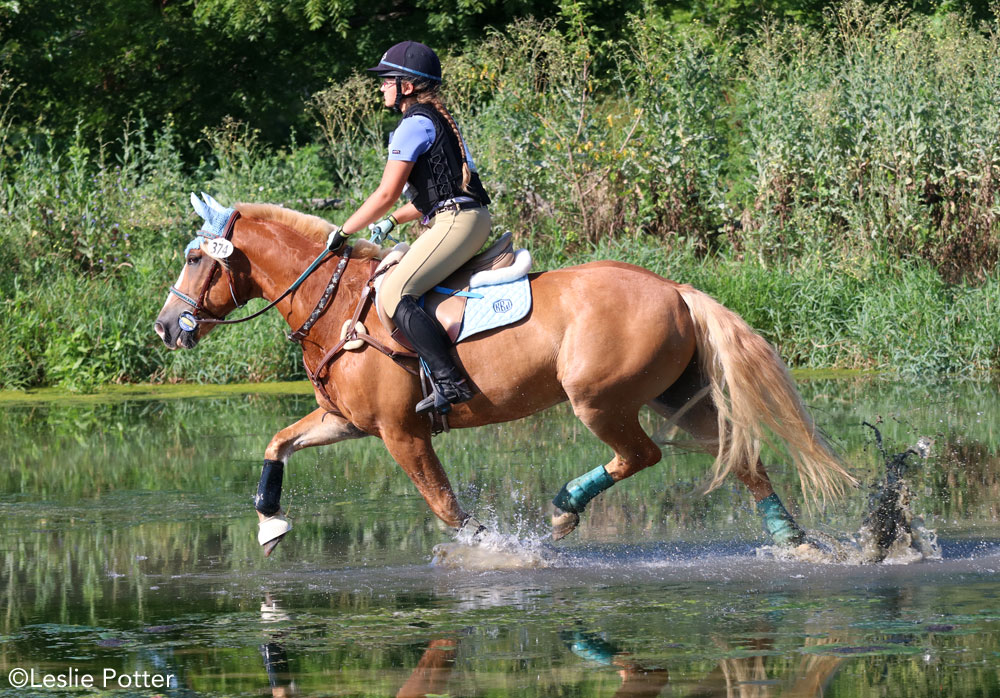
{"points": [[381, 229], [336, 240]]}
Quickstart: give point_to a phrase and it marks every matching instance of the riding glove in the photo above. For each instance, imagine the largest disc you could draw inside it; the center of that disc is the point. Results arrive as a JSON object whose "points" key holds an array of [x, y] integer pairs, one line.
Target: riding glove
{"points": [[381, 229], [336, 240]]}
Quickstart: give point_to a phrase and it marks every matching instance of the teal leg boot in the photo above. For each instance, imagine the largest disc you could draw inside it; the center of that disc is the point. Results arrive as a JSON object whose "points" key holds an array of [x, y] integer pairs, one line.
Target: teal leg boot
{"points": [[779, 523], [573, 498]]}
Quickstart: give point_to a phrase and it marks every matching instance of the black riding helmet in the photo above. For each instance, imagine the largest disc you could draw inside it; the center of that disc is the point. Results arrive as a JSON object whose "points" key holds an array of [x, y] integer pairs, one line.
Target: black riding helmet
{"points": [[411, 60]]}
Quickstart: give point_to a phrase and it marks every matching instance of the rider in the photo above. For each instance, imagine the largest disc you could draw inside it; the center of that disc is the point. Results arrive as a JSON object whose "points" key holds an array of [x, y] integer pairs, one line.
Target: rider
{"points": [[429, 158]]}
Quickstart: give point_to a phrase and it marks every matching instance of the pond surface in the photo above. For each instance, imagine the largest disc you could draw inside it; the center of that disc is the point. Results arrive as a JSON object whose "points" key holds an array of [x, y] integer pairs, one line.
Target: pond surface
{"points": [[129, 554]]}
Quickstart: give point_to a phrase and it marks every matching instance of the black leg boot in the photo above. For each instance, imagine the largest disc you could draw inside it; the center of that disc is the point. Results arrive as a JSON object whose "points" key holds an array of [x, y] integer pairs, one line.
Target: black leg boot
{"points": [[431, 343]]}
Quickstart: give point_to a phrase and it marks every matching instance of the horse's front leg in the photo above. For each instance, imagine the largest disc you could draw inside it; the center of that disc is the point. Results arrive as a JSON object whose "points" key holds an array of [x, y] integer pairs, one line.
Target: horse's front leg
{"points": [[318, 428], [416, 457]]}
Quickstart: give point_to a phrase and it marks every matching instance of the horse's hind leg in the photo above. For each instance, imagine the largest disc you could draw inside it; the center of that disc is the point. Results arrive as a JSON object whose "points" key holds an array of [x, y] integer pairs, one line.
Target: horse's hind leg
{"points": [[318, 428], [691, 408], [619, 428]]}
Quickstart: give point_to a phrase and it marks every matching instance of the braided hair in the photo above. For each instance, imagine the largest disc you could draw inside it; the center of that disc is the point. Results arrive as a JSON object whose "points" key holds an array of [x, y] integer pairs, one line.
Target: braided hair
{"points": [[429, 94]]}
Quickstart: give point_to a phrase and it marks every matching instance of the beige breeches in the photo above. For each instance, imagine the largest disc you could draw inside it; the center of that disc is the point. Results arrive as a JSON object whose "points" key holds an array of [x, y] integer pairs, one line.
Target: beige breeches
{"points": [[452, 240]]}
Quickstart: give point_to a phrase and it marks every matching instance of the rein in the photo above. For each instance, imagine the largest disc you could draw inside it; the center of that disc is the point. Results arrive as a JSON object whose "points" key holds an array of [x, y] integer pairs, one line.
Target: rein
{"points": [[189, 321], [192, 320], [295, 284]]}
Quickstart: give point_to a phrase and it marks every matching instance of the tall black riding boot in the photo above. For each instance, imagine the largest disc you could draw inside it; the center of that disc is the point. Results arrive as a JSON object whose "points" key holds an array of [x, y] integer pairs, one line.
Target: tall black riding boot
{"points": [[432, 344]]}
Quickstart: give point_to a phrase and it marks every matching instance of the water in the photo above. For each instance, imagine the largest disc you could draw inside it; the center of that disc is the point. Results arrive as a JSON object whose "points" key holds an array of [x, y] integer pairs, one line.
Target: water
{"points": [[129, 549]]}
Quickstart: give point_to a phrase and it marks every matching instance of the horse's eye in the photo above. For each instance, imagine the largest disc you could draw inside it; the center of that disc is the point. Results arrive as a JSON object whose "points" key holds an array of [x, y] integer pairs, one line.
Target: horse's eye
{"points": [[193, 260]]}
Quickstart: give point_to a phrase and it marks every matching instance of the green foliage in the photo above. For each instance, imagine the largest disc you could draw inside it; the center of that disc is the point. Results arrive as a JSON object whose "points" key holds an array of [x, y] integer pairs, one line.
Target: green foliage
{"points": [[680, 80], [352, 124], [257, 61], [876, 133], [100, 62], [835, 185], [863, 141], [243, 170], [91, 241]]}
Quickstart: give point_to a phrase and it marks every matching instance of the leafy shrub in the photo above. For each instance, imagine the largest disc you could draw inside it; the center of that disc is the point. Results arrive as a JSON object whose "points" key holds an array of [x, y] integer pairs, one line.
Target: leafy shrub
{"points": [[836, 184], [877, 131]]}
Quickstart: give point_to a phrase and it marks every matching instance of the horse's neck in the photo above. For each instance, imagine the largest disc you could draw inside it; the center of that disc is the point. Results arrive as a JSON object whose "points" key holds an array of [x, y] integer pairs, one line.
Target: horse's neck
{"points": [[278, 259]]}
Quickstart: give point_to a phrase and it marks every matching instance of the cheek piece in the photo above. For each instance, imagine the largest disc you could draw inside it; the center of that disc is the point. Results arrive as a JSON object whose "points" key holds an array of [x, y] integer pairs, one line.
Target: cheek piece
{"points": [[268, 494]]}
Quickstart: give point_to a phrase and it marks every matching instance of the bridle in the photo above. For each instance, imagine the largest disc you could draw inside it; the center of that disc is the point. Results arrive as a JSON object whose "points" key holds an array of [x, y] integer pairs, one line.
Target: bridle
{"points": [[189, 321], [199, 305]]}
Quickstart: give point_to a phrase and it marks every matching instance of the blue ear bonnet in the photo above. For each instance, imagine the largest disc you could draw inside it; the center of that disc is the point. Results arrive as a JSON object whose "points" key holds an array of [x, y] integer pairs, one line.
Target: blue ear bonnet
{"points": [[215, 217]]}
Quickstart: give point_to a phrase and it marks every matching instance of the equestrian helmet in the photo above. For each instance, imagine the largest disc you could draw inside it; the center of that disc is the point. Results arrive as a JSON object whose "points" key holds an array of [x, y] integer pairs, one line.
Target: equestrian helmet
{"points": [[409, 59]]}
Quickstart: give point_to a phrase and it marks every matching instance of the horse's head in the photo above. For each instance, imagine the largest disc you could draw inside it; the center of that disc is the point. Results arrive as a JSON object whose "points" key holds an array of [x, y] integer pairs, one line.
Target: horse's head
{"points": [[205, 288]]}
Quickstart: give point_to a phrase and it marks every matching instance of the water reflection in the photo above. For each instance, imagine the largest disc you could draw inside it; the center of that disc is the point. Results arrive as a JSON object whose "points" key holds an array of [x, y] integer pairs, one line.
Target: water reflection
{"points": [[779, 644], [128, 543], [637, 680], [432, 671]]}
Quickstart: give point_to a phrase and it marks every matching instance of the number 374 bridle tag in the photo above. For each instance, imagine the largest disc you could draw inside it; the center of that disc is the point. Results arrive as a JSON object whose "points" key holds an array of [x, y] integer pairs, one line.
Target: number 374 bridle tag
{"points": [[217, 248]]}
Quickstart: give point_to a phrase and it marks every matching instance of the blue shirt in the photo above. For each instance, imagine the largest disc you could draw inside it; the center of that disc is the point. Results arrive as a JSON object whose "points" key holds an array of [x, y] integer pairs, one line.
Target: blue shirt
{"points": [[414, 137]]}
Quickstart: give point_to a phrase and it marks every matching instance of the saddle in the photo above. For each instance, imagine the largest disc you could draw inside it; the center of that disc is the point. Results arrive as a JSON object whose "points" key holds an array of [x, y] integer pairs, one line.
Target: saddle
{"points": [[448, 304]]}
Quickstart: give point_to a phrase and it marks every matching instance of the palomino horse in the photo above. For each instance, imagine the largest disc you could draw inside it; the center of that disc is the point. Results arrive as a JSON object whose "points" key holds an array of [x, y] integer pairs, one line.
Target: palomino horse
{"points": [[607, 336]]}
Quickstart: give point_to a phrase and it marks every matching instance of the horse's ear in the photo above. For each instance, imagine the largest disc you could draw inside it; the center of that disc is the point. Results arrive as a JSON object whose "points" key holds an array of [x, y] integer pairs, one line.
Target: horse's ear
{"points": [[214, 205], [200, 208]]}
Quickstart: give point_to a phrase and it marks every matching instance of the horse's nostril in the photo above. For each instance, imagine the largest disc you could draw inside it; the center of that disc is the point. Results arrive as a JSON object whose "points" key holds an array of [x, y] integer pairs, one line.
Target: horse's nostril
{"points": [[159, 329]]}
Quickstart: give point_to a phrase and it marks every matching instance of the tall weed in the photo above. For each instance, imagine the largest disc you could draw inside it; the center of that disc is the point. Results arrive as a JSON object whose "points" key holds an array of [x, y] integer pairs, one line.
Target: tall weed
{"points": [[241, 169], [680, 81], [90, 242], [350, 119], [880, 131]]}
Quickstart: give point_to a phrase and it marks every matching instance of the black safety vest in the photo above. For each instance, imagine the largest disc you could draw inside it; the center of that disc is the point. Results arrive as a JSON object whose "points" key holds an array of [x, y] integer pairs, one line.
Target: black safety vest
{"points": [[437, 174]]}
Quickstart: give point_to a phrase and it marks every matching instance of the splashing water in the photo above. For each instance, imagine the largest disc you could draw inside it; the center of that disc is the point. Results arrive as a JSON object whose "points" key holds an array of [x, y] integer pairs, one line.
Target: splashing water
{"points": [[491, 549], [891, 533]]}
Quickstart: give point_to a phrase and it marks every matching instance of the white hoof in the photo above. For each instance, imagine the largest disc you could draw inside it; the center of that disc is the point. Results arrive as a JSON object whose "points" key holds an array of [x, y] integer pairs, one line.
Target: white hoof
{"points": [[273, 527]]}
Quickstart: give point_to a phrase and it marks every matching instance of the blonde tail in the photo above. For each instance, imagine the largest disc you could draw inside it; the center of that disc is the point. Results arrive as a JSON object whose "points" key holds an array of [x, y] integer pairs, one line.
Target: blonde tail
{"points": [[752, 389]]}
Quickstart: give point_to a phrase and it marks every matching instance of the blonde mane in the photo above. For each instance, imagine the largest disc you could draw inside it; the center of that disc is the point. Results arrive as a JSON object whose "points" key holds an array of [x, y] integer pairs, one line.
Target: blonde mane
{"points": [[308, 226]]}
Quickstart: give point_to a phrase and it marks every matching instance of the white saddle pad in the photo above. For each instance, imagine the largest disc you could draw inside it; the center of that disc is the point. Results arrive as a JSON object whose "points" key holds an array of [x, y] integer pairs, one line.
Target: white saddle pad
{"points": [[501, 304]]}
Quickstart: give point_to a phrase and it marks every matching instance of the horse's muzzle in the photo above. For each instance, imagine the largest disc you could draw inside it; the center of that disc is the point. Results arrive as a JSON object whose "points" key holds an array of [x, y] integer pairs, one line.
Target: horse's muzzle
{"points": [[173, 336]]}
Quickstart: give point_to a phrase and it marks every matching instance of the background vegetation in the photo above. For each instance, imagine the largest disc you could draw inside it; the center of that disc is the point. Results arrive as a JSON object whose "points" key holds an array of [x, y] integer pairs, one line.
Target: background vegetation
{"points": [[828, 172]]}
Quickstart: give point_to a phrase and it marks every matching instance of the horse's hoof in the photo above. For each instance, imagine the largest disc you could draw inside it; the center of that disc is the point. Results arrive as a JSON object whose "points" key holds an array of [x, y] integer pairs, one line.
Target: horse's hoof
{"points": [[270, 545], [271, 530], [563, 523], [470, 532]]}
